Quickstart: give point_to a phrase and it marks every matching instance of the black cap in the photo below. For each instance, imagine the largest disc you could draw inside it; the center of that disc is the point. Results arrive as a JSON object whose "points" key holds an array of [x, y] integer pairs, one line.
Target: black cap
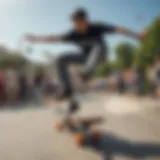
{"points": [[79, 13]]}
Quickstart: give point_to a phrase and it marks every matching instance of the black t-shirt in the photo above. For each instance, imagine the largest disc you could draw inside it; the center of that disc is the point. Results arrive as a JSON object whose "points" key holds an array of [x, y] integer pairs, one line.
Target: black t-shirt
{"points": [[94, 35]]}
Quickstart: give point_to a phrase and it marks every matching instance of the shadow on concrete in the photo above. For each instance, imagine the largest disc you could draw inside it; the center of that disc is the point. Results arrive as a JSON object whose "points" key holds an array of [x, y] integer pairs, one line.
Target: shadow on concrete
{"points": [[110, 146]]}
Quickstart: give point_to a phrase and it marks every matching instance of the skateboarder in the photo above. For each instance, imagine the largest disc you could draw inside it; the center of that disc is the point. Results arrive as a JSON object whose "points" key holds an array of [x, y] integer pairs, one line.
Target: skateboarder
{"points": [[89, 36]]}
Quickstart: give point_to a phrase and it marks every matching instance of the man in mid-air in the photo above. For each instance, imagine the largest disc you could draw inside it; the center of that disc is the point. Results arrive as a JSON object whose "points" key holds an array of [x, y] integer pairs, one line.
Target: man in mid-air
{"points": [[87, 35]]}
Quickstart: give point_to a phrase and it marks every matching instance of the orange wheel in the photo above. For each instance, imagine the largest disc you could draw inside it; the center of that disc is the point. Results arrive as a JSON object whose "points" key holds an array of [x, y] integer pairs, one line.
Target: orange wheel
{"points": [[59, 126], [79, 138]]}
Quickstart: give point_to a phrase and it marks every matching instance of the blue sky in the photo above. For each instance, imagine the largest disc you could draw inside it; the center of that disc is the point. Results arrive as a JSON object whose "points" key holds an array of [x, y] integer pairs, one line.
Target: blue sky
{"points": [[52, 16]]}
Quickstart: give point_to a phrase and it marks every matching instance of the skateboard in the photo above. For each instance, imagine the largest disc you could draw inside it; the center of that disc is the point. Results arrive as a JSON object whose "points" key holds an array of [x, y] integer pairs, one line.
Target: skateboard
{"points": [[80, 128]]}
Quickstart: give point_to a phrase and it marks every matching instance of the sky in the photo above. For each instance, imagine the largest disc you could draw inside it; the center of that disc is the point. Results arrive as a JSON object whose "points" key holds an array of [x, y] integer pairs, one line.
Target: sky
{"points": [[52, 17]]}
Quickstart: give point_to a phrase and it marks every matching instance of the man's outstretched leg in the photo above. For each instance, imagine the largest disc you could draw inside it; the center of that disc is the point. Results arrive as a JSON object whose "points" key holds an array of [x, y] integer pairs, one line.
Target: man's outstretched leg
{"points": [[96, 57]]}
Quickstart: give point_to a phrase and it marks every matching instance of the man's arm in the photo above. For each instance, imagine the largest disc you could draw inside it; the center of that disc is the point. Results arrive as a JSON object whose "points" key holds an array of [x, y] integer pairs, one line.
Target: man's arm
{"points": [[106, 28], [128, 32], [42, 39]]}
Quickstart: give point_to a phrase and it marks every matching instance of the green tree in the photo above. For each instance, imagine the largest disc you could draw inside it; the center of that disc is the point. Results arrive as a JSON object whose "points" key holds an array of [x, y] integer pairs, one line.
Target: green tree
{"points": [[125, 55], [105, 69], [16, 61], [150, 46]]}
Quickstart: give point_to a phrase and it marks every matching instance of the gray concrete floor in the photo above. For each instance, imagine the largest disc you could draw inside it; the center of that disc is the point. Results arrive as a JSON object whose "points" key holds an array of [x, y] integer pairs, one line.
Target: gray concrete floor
{"points": [[29, 134]]}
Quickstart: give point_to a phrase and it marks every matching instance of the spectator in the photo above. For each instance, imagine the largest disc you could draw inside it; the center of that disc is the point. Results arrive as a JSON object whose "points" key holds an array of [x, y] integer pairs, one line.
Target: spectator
{"points": [[49, 86], [38, 87], [11, 85], [157, 74], [2, 88], [22, 87], [140, 81], [120, 83]]}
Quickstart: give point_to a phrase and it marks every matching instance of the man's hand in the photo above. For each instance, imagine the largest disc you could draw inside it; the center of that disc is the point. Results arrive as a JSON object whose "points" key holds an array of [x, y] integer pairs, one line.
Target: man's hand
{"points": [[128, 32]]}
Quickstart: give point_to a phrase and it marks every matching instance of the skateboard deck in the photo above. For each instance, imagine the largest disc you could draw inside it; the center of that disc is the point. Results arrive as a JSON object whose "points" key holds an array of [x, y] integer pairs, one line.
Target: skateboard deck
{"points": [[72, 123]]}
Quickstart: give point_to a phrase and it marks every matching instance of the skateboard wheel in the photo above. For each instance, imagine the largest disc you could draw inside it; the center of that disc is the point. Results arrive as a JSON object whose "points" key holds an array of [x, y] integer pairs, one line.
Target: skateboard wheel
{"points": [[79, 139], [59, 126]]}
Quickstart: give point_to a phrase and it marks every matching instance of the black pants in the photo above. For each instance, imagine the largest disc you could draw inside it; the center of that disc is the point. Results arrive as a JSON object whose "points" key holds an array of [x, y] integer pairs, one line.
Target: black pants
{"points": [[89, 63]]}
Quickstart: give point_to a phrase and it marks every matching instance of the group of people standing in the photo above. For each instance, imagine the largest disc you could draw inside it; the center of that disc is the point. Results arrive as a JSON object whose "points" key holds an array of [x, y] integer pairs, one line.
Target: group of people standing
{"points": [[16, 86]]}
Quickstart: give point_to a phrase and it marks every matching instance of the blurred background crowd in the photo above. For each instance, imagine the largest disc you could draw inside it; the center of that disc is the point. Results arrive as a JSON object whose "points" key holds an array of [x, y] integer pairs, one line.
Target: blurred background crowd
{"points": [[133, 80], [19, 87]]}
